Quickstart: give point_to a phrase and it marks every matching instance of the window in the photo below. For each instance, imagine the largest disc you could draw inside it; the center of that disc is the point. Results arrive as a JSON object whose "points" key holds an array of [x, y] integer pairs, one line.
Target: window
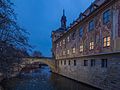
{"points": [[106, 16], [63, 52], [57, 45], [107, 41], [73, 50], [64, 62], [61, 62], [81, 32], [64, 41], [74, 62], [73, 35], [104, 63], [85, 62], [91, 25], [60, 44], [81, 48], [92, 62], [91, 45], [69, 62], [91, 9], [68, 38], [68, 52]]}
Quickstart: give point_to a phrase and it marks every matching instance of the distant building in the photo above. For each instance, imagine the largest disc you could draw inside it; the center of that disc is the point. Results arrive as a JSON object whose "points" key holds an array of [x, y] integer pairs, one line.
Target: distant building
{"points": [[89, 49]]}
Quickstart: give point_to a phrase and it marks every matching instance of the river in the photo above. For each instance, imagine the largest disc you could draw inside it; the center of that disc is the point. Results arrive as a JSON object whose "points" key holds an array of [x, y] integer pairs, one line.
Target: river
{"points": [[43, 79]]}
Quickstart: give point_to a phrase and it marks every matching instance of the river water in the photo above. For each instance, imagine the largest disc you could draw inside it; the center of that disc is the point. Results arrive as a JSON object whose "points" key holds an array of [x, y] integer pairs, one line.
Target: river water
{"points": [[43, 79]]}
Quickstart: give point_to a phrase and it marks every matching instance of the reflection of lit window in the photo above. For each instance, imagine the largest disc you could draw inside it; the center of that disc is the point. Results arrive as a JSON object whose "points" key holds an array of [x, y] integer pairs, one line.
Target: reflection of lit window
{"points": [[68, 39], [68, 51], [81, 48], [63, 52], [107, 41], [73, 50], [91, 45], [64, 41]]}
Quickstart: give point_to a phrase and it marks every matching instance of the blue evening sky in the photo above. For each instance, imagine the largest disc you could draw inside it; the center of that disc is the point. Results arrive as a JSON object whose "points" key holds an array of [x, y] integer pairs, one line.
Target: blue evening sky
{"points": [[40, 17]]}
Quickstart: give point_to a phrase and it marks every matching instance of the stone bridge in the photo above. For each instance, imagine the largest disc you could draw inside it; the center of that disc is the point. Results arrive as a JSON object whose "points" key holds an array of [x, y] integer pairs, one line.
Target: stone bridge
{"points": [[45, 60]]}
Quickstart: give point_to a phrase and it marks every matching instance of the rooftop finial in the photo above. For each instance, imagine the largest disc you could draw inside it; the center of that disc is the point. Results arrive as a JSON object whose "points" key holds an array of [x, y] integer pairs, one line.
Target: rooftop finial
{"points": [[63, 12]]}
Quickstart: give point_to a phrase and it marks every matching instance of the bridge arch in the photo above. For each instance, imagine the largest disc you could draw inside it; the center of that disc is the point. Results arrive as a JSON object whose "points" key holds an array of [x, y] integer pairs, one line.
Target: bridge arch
{"points": [[47, 61]]}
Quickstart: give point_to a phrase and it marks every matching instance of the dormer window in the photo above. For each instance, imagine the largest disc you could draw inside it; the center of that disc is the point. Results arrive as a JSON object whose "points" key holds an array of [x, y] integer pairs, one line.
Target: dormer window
{"points": [[91, 25], [91, 9]]}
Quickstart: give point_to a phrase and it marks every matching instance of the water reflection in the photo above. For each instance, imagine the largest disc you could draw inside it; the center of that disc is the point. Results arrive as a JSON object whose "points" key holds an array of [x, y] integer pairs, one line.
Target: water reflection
{"points": [[42, 79]]}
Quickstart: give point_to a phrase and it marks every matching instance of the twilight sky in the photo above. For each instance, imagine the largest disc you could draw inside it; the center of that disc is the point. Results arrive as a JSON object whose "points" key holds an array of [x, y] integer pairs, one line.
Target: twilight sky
{"points": [[40, 17]]}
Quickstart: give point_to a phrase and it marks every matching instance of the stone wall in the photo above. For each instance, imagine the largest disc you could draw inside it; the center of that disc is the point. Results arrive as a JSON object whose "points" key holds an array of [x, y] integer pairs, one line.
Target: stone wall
{"points": [[107, 78]]}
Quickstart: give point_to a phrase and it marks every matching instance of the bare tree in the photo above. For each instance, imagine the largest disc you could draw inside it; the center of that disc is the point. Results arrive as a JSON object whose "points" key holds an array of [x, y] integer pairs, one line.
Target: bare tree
{"points": [[12, 38], [37, 54]]}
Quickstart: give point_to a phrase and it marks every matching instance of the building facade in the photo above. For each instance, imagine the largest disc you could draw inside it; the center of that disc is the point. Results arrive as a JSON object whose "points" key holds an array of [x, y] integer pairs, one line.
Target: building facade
{"points": [[89, 49]]}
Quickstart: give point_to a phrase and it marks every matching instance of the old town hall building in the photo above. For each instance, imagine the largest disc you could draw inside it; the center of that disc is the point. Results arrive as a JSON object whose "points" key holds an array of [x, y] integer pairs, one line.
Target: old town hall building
{"points": [[89, 49]]}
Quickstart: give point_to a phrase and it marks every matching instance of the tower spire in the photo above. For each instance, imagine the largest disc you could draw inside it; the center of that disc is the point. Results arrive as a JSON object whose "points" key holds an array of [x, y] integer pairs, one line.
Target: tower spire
{"points": [[63, 20]]}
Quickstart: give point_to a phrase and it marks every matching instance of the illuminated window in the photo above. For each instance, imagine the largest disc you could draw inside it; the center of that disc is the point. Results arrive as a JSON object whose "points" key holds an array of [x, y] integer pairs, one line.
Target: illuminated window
{"points": [[57, 45], [73, 50], [63, 52], [64, 41], [107, 41], [106, 17], [91, 45], [60, 44], [68, 39], [81, 48], [68, 51]]}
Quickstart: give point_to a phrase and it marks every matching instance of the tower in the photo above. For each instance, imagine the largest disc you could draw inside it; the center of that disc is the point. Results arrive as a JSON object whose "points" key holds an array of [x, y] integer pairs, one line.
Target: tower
{"points": [[63, 21]]}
